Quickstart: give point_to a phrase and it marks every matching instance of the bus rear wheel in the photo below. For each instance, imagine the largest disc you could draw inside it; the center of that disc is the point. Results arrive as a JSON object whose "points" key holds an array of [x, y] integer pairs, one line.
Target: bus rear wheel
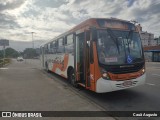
{"points": [[72, 78], [46, 65]]}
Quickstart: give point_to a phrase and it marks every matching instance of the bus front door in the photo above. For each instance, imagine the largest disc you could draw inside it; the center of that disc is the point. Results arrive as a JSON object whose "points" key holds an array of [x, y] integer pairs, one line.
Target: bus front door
{"points": [[79, 58], [82, 59]]}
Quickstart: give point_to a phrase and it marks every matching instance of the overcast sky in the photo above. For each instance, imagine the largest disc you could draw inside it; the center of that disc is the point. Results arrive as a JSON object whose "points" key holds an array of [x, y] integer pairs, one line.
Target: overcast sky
{"points": [[49, 18]]}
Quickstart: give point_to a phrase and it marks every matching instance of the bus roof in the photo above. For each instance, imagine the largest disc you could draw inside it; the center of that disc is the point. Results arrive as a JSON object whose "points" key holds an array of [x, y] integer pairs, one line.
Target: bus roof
{"points": [[92, 22]]}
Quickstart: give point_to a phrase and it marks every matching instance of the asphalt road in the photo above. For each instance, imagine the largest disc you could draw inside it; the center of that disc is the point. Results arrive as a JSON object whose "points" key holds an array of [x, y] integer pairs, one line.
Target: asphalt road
{"points": [[25, 87], [141, 98]]}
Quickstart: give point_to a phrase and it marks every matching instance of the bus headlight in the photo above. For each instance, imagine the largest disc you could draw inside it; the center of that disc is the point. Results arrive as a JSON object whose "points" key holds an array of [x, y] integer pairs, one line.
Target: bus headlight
{"points": [[143, 71], [105, 74]]}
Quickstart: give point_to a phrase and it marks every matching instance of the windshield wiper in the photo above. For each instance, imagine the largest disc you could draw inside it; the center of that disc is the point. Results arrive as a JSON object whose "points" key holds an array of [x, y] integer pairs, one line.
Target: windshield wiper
{"points": [[130, 34], [114, 39]]}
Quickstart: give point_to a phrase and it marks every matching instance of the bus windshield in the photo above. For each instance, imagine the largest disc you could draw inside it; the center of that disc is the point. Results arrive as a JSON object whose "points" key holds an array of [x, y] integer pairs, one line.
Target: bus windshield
{"points": [[117, 47]]}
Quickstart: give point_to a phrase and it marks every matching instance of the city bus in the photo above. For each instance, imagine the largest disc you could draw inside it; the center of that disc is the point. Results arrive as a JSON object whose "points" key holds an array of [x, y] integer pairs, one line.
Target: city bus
{"points": [[100, 54]]}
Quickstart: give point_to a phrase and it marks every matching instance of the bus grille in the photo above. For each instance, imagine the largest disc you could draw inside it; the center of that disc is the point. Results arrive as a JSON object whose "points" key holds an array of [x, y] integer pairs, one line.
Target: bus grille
{"points": [[119, 70]]}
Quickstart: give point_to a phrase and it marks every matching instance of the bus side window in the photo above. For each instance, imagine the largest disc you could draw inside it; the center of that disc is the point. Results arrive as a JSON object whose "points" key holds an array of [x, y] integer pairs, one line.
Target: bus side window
{"points": [[54, 47], [46, 49], [65, 40], [69, 44], [60, 48], [49, 48]]}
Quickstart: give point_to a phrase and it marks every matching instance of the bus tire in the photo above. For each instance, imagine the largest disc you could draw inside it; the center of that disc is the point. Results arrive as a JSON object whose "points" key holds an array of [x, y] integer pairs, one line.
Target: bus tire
{"points": [[46, 66], [71, 78]]}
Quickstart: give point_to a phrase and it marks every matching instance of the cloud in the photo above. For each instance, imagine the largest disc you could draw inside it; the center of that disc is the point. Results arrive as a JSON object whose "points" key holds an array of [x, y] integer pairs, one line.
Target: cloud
{"points": [[49, 18], [145, 12], [7, 22], [10, 4], [49, 3]]}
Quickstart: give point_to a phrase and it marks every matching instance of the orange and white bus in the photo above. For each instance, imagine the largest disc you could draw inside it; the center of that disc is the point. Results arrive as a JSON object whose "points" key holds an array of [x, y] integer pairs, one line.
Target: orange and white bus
{"points": [[100, 54]]}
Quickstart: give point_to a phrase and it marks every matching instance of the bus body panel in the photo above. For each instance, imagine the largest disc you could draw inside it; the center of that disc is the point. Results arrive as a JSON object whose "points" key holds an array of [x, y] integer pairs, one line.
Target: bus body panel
{"points": [[103, 85], [59, 63]]}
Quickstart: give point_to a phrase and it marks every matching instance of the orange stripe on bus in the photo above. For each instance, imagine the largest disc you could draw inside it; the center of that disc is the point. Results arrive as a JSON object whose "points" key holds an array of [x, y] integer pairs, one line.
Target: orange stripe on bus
{"points": [[62, 66], [125, 76], [94, 69]]}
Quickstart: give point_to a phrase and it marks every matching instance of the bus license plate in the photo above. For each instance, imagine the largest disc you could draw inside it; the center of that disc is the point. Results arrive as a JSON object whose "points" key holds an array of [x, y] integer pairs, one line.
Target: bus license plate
{"points": [[127, 83]]}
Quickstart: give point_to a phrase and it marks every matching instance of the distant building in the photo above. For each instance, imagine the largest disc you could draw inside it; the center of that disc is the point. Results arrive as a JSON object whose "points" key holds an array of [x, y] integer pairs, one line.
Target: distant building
{"points": [[157, 40], [147, 38], [151, 45]]}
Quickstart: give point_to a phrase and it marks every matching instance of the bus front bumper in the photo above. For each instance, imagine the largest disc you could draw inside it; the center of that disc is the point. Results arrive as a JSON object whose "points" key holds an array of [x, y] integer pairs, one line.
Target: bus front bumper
{"points": [[103, 85]]}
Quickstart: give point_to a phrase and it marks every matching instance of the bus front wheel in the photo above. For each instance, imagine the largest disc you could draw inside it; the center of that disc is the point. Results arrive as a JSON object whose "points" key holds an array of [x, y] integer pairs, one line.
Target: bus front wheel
{"points": [[72, 78]]}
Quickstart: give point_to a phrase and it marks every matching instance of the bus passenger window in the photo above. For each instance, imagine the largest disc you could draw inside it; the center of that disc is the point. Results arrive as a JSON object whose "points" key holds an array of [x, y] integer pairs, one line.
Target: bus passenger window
{"points": [[60, 48], [49, 48], [54, 47], [46, 49], [69, 44], [65, 40]]}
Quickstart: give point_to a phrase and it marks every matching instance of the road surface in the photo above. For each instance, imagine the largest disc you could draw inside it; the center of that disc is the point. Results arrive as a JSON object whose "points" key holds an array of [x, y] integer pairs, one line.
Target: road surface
{"points": [[141, 98], [25, 87]]}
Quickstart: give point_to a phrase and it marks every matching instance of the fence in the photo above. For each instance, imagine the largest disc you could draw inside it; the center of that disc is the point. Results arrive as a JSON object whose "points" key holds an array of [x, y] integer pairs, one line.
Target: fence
{"points": [[4, 61]]}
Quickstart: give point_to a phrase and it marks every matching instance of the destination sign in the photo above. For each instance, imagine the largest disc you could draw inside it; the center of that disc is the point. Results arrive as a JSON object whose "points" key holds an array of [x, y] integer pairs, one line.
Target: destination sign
{"points": [[116, 24]]}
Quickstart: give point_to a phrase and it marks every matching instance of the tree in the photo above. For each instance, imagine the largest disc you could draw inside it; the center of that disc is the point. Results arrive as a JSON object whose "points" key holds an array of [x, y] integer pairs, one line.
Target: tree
{"points": [[9, 53], [30, 53], [1, 54], [12, 53]]}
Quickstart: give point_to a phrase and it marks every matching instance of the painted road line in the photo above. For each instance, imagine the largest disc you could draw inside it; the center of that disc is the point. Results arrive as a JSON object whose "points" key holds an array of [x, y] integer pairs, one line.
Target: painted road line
{"points": [[156, 75], [3, 68], [150, 84]]}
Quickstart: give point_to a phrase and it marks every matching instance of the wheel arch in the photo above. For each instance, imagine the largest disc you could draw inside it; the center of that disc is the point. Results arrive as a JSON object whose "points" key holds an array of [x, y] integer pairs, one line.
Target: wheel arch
{"points": [[68, 70]]}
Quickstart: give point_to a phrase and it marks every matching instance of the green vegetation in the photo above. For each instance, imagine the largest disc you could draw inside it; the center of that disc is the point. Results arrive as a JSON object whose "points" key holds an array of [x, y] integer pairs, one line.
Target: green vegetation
{"points": [[30, 53], [5, 61], [9, 53]]}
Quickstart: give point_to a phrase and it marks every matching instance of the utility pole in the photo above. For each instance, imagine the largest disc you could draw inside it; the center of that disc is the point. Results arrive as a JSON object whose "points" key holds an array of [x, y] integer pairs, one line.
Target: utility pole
{"points": [[4, 54], [32, 40]]}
